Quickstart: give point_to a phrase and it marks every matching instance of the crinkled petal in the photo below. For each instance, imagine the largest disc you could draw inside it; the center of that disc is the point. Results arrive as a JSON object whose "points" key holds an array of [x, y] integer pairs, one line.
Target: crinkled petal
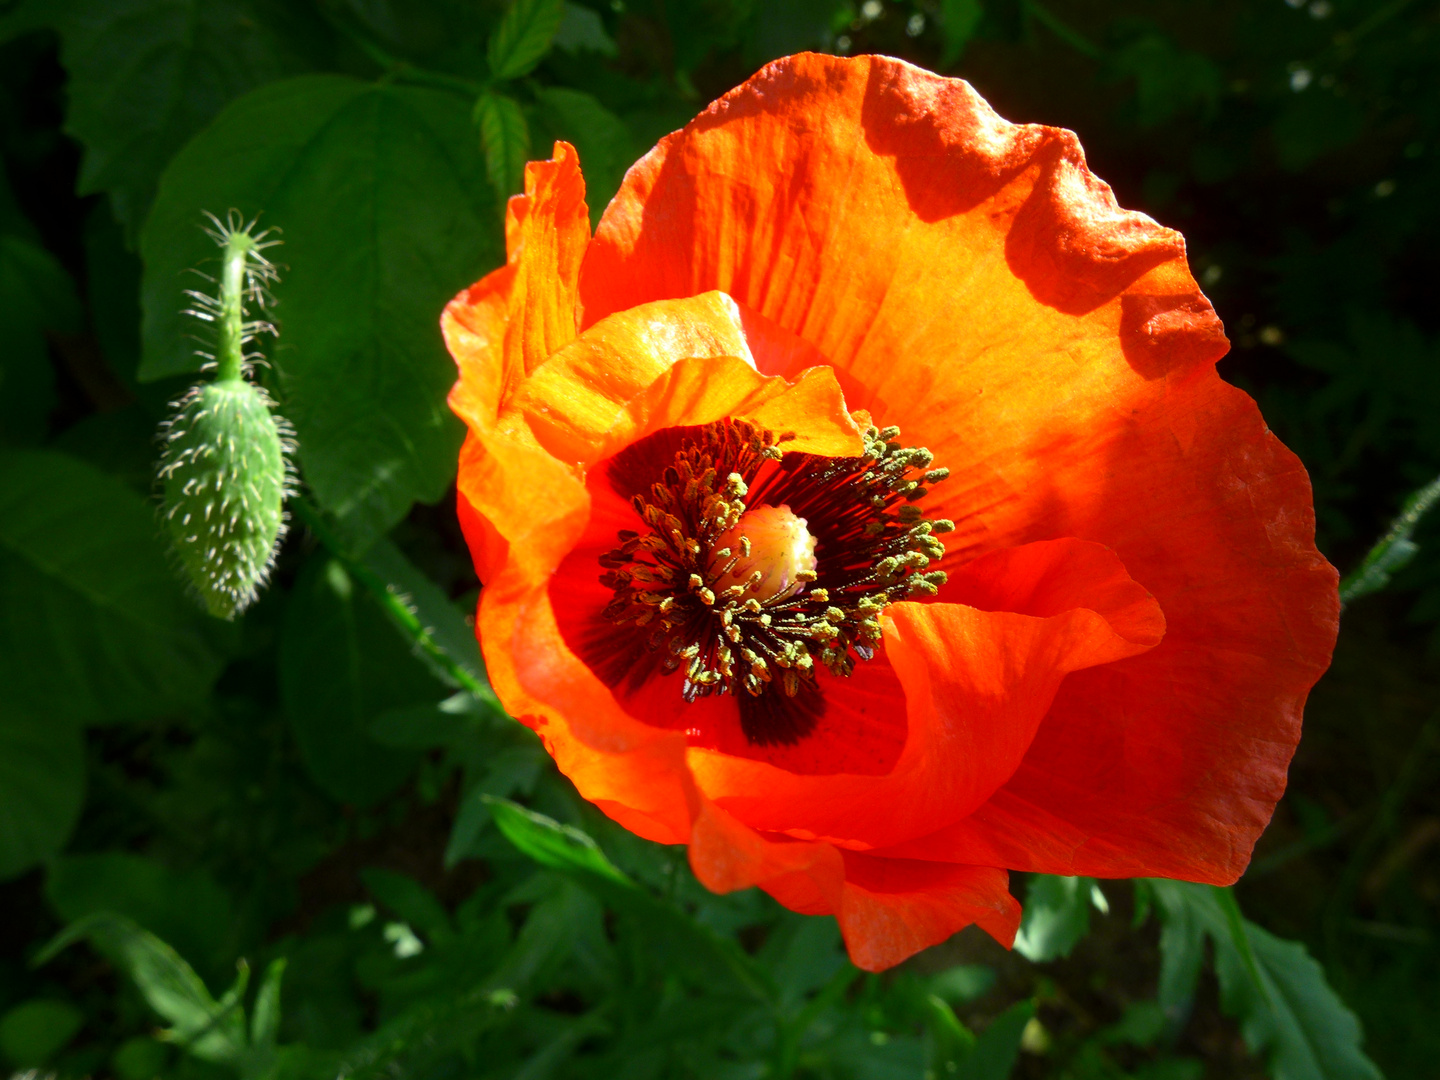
{"points": [[509, 322]]}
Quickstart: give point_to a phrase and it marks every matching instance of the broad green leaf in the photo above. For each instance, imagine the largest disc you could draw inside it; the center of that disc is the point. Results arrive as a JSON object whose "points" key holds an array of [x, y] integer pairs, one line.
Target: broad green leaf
{"points": [[42, 786], [209, 1029], [381, 193], [183, 907], [1274, 988], [32, 1032], [146, 75], [95, 624], [523, 37], [1057, 915], [342, 665], [505, 138]]}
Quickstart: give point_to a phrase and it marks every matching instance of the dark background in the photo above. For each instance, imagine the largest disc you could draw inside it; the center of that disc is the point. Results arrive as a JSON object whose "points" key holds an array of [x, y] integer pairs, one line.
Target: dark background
{"points": [[1296, 145]]}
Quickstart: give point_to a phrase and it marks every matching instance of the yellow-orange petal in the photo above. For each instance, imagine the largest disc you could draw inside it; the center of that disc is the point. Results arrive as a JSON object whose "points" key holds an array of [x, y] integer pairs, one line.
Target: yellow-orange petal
{"points": [[508, 323]]}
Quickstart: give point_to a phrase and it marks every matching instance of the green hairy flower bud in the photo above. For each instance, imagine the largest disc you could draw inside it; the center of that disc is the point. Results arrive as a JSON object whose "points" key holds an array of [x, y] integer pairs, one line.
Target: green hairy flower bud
{"points": [[226, 469]]}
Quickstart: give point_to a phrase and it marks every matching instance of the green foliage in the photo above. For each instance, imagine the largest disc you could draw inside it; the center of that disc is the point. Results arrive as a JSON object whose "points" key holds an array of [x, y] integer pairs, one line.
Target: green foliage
{"points": [[32, 1032], [1278, 993], [1057, 915], [97, 626], [523, 37], [42, 783], [384, 209]]}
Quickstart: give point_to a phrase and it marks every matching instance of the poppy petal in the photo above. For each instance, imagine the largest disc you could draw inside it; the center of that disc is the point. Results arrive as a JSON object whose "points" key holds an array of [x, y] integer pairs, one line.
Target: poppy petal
{"points": [[506, 324], [977, 684], [888, 909], [973, 283]]}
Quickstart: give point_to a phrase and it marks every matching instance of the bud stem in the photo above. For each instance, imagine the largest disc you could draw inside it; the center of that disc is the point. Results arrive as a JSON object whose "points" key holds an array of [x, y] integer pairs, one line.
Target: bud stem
{"points": [[230, 349]]}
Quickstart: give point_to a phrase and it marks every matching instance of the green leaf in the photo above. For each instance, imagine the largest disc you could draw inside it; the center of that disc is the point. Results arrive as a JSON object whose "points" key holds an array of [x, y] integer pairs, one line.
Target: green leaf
{"points": [[32, 1032], [209, 1029], [567, 849], [341, 665], [184, 907], [505, 137], [42, 786], [997, 1047], [445, 622], [96, 625], [146, 75], [381, 193], [265, 1024], [36, 294], [1286, 1009], [1057, 915], [549, 843], [959, 19], [523, 37], [581, 30], [410, 900], [1393, 550]]}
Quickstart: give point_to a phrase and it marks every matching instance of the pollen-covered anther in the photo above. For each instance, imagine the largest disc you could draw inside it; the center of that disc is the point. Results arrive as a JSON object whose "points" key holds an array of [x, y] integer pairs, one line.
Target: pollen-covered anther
{"points": [[759, 565]]}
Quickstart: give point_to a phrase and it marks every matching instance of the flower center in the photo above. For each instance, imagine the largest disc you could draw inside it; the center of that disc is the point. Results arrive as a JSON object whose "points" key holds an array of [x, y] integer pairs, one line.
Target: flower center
{"points": [[756, 566]]}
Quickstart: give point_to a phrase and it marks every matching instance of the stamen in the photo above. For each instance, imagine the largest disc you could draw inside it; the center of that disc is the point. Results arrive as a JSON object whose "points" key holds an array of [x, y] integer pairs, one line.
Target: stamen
{"points": [[756, 564]]}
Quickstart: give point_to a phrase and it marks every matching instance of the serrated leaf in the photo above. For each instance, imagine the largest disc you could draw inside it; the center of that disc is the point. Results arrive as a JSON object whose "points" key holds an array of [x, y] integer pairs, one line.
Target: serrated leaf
{"points": [[1274, 988], [42, 786], [523, 37], [505, 137], [381, 194], [96, 624], [342, 665], [146, 75], [209, 1029]]}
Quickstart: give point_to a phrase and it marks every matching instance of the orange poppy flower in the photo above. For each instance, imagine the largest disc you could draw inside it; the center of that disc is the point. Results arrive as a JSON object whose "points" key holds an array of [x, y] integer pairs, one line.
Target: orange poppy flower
{"points": [[729, 582]]}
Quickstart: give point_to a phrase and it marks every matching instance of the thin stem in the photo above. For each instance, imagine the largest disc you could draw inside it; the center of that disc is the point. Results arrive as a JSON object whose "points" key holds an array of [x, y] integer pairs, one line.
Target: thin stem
{"points": [[230, 349], [400, 612]]}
